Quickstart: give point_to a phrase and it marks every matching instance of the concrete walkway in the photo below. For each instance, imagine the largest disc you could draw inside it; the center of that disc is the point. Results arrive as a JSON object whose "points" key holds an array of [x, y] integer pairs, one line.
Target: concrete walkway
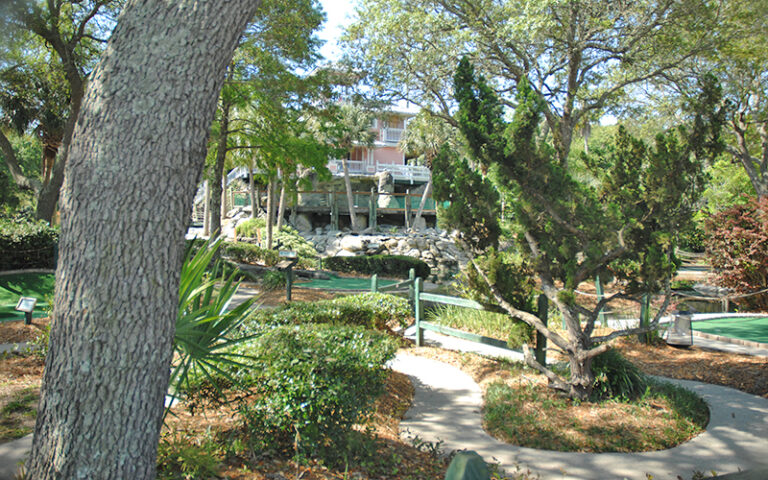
{"points": [[447, 407], [12, 454]]}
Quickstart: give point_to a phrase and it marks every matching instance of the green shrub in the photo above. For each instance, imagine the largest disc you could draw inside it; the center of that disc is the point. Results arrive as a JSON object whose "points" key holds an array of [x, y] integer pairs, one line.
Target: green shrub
{"points": [[371, 310], [512, 275], [249, 253], [272, 280], [250, 228], [389, 265], [26, 244], [313, 384], [181, 457], [287, 238], [616, 377]]}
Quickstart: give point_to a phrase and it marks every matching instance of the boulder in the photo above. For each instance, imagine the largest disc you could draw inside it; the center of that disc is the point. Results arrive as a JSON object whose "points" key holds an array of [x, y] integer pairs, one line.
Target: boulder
{"points": [[303, 223], [353, 243]]}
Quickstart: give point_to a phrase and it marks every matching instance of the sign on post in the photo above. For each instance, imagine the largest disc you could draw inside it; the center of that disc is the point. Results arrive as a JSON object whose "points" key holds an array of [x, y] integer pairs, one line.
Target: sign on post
{"points": [[27, 305], [291, 259]]}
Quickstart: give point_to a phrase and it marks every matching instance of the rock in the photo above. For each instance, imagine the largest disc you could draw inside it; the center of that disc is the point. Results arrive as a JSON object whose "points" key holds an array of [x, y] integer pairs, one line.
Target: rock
{"points": [[318, 231], [353, 243], [414, 253], [303, 223], [344, 253], [420, 224]]}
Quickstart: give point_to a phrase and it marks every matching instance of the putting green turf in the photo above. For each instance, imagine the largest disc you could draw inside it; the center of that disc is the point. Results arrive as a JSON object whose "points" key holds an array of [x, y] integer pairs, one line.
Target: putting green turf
{"points": [[754, 329], [342, 283], [14, 286]]}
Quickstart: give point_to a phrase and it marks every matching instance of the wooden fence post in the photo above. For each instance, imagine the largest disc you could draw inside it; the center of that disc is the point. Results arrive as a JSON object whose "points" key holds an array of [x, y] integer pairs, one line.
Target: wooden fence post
{"points": [[418, 313], [541, 340]]}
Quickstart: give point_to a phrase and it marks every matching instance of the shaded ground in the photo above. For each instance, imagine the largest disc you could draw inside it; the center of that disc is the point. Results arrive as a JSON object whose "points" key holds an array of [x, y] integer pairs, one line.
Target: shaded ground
{"points": [[20, 378], [273, 298]]}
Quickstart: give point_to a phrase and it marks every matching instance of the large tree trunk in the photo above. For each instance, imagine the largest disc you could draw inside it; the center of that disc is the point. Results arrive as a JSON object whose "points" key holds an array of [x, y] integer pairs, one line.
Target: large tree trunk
{"points": [[350, 196], [218, 170], [134, 161]]}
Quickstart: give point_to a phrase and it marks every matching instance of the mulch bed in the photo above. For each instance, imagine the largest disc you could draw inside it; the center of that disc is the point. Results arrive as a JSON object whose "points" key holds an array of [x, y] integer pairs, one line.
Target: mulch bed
{"points": [[743, 372], [17, 331]]}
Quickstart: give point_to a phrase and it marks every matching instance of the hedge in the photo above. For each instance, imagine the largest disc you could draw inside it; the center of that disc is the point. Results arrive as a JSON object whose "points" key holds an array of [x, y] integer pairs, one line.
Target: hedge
{"points": [[371, 310], [27, 244], [390, 265]]}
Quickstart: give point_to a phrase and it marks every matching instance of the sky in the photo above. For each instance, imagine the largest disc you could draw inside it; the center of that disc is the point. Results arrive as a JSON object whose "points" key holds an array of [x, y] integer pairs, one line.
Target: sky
{"points": [[339, 14]]}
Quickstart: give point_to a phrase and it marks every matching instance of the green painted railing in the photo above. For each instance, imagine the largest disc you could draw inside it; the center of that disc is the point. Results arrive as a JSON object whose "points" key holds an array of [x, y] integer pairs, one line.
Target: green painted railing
{"points": [[417, 297]]}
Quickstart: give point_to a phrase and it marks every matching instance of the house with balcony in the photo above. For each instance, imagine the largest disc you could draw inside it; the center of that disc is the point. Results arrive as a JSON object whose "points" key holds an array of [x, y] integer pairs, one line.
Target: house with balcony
{"points": [[384, 155]]}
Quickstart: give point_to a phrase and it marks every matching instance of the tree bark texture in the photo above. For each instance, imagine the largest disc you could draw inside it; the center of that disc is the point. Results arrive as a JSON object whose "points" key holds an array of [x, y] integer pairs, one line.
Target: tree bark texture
{"points": [[134, 162]]}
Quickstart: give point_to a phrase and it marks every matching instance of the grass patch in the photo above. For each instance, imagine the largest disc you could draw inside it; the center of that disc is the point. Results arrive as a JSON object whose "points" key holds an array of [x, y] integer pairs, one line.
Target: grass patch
{"points": [[17, 416], [530, 414], [490, 324]]}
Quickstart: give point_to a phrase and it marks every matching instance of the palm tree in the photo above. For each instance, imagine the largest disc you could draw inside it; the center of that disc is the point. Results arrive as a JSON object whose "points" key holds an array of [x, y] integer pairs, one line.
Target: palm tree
{"points": [[423, 138], [354, 128]]}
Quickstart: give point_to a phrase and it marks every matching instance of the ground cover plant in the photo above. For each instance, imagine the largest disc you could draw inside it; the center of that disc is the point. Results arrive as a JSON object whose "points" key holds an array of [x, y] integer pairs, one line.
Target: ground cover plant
{"points": [[17, 415]]}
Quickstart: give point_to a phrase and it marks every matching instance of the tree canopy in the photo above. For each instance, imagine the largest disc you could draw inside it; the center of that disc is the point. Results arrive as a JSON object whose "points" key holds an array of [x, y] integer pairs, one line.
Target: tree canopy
{"points": [[580, 58]]}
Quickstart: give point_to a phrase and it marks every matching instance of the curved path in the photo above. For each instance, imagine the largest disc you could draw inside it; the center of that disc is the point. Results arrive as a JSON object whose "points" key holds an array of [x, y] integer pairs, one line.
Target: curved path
{"points": [[447, 406]]}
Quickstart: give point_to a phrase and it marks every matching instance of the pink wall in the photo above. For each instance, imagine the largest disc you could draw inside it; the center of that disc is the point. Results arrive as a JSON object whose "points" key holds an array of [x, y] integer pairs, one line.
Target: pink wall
{"points": [[388, 155]]}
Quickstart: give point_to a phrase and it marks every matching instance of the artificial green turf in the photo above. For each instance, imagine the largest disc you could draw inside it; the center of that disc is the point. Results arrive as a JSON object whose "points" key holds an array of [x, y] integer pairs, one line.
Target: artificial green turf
{"points": [[754, 329], [342, 283], [14, 286]]}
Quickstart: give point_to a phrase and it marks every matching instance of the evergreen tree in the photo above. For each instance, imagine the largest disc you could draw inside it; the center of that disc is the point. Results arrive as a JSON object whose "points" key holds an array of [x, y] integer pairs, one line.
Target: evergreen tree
{"points": [[619, 225]]}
